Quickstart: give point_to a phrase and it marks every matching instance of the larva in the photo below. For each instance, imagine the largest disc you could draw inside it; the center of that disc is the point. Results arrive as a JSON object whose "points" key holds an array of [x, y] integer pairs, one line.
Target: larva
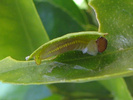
{"points": [[87, 42]]}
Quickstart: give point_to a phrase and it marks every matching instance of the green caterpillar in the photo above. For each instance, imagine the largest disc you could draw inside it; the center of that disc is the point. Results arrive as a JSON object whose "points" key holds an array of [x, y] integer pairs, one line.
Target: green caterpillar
{"points": [[88, 42]]}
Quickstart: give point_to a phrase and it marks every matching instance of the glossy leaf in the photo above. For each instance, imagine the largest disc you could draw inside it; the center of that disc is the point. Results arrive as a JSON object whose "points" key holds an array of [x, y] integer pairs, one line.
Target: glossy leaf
{"points": [[77, 67], [120, 38], [69, 7], [55, 71], [118, 88], [21, 30], [129, 82], [54, 97], [86, 90], [56, 21]]}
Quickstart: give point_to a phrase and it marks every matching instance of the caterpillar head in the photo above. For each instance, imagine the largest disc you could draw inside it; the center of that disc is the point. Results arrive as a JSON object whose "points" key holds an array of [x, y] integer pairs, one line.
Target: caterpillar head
{"points": [[101, 44]]}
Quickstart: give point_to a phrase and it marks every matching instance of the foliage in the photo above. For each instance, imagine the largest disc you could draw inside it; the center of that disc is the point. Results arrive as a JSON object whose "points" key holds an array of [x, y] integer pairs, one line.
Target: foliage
{"points": [[22, 32]]}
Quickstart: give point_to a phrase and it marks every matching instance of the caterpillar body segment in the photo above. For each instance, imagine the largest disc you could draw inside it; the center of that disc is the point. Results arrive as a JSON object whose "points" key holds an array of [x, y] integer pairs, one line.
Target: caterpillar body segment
{"points": [[87, 42]]}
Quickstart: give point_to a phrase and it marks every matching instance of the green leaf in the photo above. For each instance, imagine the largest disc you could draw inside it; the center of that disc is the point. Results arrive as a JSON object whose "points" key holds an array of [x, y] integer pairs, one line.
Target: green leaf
{"points": [[55, 20], [22, 72], [70, 7], [54, 97], [117, 22], [115, 18], [118, 88], [21, 30], [129, 82], [73, 91], [58, 23], [75, 66]]}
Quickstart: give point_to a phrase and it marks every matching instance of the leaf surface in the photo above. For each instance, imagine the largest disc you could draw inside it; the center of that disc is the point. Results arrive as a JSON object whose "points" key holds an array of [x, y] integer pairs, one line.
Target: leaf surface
{"points": [[21, 31], [72, 66], [70, 8], [118, 88]]}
